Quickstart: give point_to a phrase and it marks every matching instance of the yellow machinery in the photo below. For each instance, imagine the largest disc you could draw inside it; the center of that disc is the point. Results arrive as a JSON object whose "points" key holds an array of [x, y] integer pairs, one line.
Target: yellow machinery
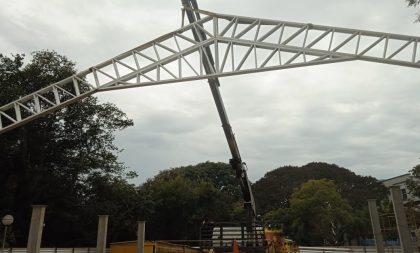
{"points": [[277, 243]]}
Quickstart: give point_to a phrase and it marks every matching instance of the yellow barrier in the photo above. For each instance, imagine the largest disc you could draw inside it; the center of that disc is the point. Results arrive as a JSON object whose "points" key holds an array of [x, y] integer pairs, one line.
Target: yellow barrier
{"points": [[151, 247]]}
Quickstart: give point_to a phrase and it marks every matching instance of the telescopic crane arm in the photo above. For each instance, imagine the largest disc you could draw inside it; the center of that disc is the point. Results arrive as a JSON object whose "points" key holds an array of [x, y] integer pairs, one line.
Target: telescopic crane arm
{"points": [[236, 162]]}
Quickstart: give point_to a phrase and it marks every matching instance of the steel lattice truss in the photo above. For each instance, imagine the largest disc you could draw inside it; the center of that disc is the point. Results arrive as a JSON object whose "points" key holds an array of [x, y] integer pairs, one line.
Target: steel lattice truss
{"points": [[240, 45]]}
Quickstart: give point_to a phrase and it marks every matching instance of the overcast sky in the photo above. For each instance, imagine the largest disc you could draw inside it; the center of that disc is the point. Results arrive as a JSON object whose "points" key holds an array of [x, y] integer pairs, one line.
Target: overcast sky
{"points": [[358, 115]]}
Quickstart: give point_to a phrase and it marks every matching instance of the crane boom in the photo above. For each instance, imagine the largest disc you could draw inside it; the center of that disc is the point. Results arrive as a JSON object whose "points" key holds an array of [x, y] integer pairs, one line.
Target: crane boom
{"points": [[236, 161]]}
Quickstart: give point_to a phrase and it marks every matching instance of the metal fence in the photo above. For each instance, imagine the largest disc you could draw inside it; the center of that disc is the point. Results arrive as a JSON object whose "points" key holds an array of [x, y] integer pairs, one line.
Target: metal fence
{"points": [[352, 249]]}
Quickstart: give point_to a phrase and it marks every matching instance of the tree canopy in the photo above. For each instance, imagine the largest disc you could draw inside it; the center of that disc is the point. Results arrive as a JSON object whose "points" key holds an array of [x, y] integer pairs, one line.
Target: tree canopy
{"points": [[319, 213], [413, 182], [275, 189], [414, 3], [178, 200], [55, 160]]}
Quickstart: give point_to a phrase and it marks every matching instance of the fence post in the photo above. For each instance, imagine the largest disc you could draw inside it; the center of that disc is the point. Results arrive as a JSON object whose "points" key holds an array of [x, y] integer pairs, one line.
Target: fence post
{"points": [[35, 229], [141, 226], [102, 233], [401, 219]]}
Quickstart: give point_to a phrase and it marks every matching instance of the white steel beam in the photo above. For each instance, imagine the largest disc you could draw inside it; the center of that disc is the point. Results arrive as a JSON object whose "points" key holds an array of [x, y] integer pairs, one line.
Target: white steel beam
{"points": [[240, 45]]}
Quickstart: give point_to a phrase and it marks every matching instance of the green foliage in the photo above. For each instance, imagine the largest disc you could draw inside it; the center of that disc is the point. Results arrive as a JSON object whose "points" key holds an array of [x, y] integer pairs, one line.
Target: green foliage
{"points": [[319, 213], [413, 184], [275, 189], [56, 160], [413, 2], [177, 201]]}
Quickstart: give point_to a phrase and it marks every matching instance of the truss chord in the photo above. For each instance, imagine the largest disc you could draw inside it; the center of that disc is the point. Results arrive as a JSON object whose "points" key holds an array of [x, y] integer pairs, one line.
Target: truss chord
{"points": [[240, 72]]}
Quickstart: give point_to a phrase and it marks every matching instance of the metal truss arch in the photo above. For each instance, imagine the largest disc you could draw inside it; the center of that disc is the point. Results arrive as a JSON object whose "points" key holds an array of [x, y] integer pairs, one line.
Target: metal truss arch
{"points": [[240, 45]]}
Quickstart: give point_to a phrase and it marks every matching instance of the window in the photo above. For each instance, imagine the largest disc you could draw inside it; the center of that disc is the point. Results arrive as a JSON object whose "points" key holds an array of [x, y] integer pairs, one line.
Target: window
{"points": [[404, 194]]}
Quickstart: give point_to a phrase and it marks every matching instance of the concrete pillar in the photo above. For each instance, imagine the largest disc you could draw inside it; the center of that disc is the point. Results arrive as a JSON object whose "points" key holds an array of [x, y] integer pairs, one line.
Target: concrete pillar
{"points": [[401, 218], [35, 230], [376, 226], [102, 232], [141, 225]]}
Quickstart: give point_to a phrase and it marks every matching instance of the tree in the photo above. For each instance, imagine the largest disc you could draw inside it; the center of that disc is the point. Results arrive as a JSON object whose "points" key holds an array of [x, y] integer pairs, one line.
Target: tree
{"points": [[275, 189], [178, 200], [414, 3], [319, 213], [413, 182], [53, 160]]}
